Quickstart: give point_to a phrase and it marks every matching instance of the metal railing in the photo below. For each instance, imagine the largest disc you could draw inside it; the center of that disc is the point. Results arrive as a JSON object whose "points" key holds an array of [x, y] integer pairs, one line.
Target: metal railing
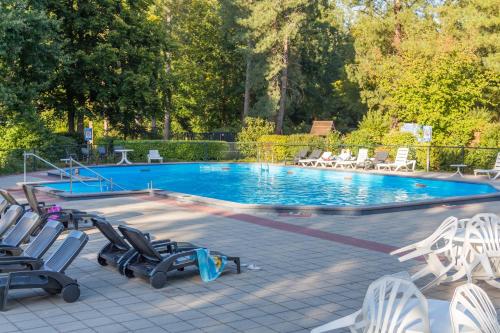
{"points": [[71, 175]]}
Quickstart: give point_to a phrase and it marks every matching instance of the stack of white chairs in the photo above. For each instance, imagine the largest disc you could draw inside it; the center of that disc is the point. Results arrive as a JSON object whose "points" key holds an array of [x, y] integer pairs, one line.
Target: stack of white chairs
{"points": [[457, 249], [394, 304]]}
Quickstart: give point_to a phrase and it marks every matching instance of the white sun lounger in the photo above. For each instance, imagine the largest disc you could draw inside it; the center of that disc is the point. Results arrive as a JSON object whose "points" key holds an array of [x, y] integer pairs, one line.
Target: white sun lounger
{"points": [[359, 161], [154, 155], [401, 162], [345, 155], [325, 157], [495, 171]]}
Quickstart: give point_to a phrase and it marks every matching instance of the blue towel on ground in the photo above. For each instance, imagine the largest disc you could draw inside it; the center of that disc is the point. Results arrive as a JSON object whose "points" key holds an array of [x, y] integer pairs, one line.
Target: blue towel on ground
{"points": [[210, 266]]}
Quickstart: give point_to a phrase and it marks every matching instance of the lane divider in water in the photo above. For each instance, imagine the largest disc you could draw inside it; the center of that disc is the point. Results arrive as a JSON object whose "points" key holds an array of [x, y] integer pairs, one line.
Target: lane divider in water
{"points": [[283, 226]]}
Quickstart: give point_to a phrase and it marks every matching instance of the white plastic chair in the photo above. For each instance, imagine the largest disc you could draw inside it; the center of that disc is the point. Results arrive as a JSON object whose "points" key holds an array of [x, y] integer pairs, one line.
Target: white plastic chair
{"points": [[401, 161], [154, 155], [481, 249], [495, 171], [391, 305], [472, 311], [440, 254]]}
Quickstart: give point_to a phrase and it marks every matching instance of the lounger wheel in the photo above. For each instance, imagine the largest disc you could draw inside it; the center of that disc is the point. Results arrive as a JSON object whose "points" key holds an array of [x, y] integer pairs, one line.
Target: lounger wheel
{"points": [[71, 293], [158, 280], [102, 261], [128, 273]]}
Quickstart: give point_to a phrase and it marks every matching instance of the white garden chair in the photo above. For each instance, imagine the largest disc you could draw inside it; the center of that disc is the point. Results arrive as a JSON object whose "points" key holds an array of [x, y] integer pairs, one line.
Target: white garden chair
{"points": [[495, 172], [481, 249], [472, 311], [439, 252], [391, 305], [400, 162], [154, 155]]}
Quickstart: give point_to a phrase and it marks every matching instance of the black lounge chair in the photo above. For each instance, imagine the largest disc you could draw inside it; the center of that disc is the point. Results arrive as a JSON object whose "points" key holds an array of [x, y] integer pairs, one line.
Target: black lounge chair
{"points": [[4, 204], [11, 200], [117, 251], [50, 277], [154, 262], [67, 217], [300, 155], [31, 257], [10, 217], [19, 234]]}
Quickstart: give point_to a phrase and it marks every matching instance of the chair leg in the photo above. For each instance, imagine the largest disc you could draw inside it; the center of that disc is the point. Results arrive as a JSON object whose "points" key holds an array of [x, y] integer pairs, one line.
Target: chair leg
{"points": [[4, 291]]}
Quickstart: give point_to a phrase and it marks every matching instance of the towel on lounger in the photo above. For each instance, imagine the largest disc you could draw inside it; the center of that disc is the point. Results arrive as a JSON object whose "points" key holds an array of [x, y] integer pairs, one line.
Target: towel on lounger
{"points": [[210, 266]]}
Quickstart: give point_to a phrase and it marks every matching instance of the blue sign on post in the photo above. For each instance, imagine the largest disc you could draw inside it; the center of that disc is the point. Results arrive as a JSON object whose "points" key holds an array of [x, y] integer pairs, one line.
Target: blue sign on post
{"points": [[88, 134]]}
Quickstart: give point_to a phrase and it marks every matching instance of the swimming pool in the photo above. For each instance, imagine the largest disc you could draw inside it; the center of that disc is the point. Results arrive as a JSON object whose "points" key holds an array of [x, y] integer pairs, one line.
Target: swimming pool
{"points": [[250, 183]]}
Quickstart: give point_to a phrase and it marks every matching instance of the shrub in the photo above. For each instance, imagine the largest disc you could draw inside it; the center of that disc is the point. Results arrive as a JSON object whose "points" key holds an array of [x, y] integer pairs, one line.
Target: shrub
{"points": [[484, 158], [253, 130], [284, 147], [176, 150]]}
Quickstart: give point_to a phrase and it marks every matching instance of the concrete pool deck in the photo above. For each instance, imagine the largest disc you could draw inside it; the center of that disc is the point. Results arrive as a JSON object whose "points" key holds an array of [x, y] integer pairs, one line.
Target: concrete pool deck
{"points": [[315, 268]]}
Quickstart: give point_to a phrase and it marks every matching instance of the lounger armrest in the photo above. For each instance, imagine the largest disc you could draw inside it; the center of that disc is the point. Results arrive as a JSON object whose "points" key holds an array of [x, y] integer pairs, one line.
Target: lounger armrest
{"points": [[11, 250]]}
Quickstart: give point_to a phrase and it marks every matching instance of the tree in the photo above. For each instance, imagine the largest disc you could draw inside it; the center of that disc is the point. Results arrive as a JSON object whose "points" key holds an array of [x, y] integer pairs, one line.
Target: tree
{"points": [[274, 27], [30, 54]]}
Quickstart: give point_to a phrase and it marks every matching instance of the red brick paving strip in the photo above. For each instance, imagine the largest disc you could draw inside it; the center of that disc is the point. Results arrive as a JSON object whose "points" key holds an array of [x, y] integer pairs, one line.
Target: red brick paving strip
{"points": [[347, 240]]}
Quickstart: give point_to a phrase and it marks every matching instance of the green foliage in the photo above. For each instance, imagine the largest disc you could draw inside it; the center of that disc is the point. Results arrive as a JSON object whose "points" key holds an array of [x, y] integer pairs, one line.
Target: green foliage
{"points": [[253, 130], [172, 150], [284, 147], [485, 158]]}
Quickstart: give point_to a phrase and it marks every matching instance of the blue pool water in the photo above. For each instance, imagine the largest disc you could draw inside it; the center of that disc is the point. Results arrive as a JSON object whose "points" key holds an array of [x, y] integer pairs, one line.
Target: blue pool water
{"points": [[281, 185]]}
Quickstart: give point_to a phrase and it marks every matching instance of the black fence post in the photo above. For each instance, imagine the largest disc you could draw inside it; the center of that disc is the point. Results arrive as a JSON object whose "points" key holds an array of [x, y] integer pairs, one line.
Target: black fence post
{"points": [[205, 146], [463, 154]]}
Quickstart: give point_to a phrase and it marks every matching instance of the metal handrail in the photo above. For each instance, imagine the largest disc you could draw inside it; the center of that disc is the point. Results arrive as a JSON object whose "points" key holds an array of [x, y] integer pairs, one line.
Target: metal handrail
{"points": [[100, 177], [61, 171], [70, 174]]}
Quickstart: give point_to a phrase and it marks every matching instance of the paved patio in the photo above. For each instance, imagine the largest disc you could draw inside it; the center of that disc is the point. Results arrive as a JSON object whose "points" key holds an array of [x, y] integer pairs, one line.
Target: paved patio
{"points": [[314, 269]]}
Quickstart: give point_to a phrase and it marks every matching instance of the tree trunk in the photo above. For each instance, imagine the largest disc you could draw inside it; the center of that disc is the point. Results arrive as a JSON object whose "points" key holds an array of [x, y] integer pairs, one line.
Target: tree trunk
{"points": [[166, 124], [106, 126], [79, 123], [70, 107], [284, 83], [398, 29], [153, 126], [246, 102]]}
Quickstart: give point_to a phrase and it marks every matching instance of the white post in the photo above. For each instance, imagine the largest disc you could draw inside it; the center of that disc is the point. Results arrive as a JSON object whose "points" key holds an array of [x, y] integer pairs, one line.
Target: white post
{"points": [[24, 157], [70, 174]]}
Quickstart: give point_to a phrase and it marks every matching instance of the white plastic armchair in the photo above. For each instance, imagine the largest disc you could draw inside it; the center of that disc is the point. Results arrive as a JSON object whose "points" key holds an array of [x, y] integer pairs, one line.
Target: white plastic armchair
{"points": [[391, 305], [481, 249], [472, 311], [154, 155], [439, 252]]}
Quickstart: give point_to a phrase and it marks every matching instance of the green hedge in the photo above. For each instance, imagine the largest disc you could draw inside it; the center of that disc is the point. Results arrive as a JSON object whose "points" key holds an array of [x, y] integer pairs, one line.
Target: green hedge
{"points": [[284, 147], [176, 150]]}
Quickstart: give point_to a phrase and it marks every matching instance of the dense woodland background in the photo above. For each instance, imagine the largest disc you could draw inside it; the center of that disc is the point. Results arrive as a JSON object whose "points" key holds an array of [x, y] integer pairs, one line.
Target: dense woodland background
{"points": [[150, 68]]}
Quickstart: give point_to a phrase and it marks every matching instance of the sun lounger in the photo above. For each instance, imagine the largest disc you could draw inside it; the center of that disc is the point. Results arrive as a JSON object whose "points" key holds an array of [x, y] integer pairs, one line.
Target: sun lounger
{"points": [[154, 155], [10, 217], [345, 155], [362, 160], [4, 204], [11, 200], [68, 217], [301, 155], [325, 157], [19, 234], [495, 172], [50, 277], [31, 257], [117, 250], [312, 158], [154, 262], [379, 158], [401, 162]]}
